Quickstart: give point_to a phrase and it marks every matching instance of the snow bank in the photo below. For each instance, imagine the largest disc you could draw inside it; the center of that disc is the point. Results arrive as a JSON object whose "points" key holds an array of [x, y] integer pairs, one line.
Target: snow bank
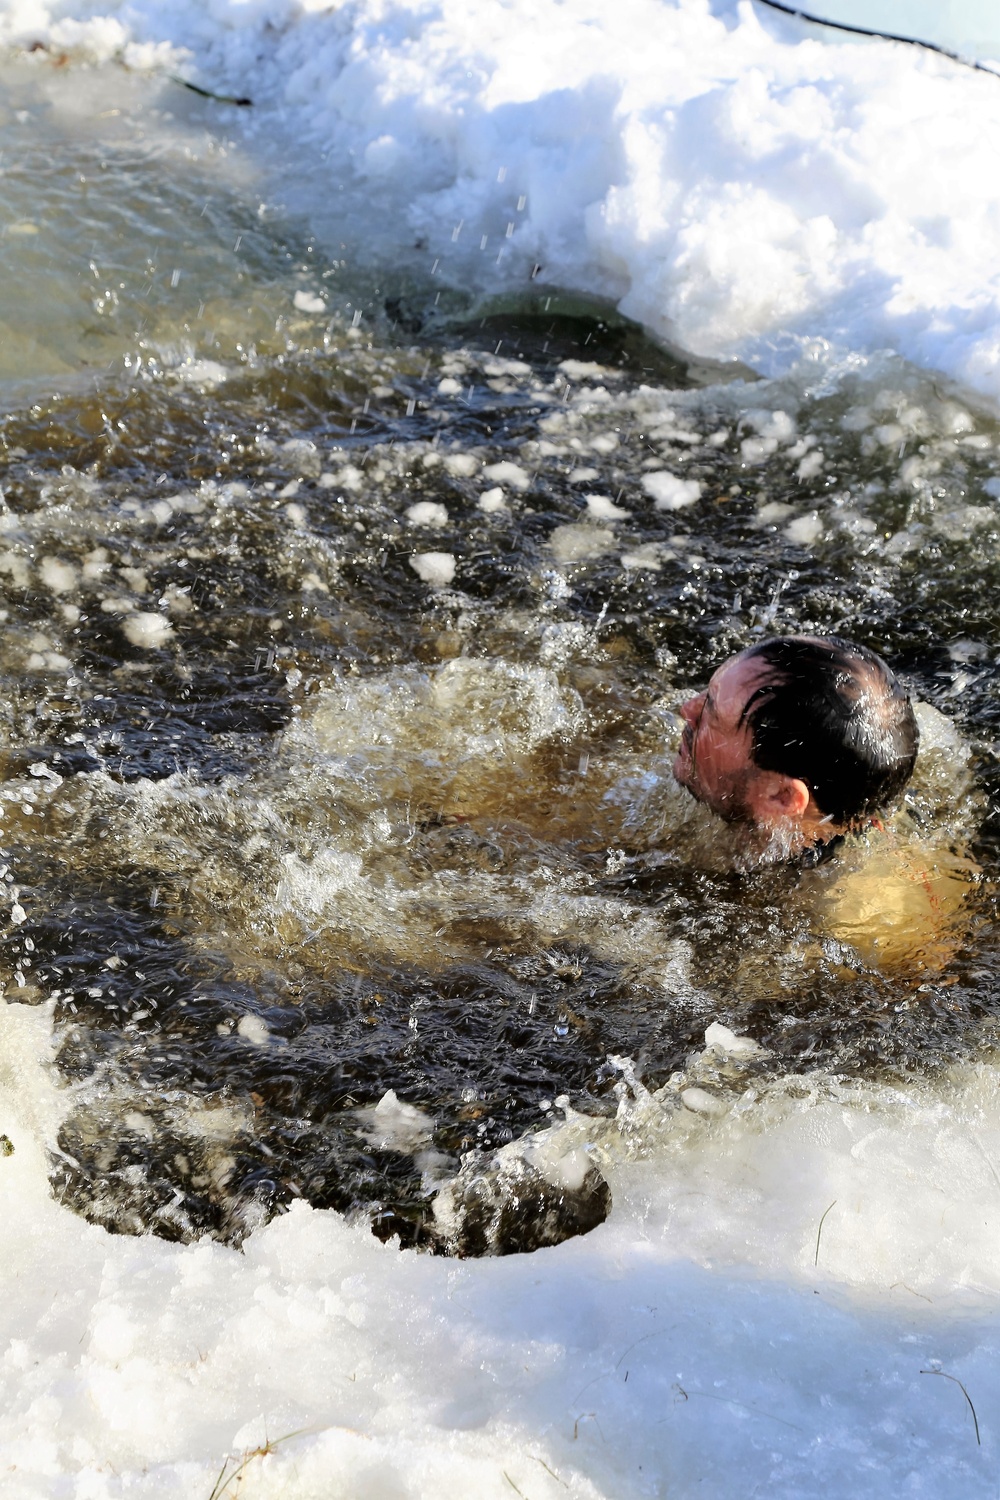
{"points": [[702, 1333], [743, 184]]}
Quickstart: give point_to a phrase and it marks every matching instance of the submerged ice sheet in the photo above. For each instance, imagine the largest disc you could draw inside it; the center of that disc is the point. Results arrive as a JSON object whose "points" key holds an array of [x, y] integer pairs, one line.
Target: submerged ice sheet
{"points": [[744, 185]]}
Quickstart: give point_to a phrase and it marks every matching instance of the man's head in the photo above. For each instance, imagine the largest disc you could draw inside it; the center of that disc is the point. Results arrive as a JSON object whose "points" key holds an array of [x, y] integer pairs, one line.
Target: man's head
{"points": [[806, 731]]}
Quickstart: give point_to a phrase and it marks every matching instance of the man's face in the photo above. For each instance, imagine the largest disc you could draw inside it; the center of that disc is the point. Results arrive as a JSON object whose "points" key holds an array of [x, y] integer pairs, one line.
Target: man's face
{"points": [[715, 758]]}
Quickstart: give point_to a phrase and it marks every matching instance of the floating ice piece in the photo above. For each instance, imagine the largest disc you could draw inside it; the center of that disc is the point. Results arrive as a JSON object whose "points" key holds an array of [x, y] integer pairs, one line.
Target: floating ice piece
{"points": [[651, 555], [427, 513], [804, 529], [58, 576], [582, 369], [308, 302], [492, 500], [394, 1125], [135, 578], [669, 492], [959, 523], [603, 508], [147, 630], [201, 373], [774, 426], [702, 1102], [773, 511], [435, 568], [508, 473], [719, 1038], [350, 478], [575, 543], [462, 465], [303, 456], [254, 1029]]}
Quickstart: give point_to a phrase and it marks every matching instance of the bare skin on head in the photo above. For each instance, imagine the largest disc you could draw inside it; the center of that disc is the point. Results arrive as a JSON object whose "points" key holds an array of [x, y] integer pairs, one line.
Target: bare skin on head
{"points": [[838, 714], [715, 763]]}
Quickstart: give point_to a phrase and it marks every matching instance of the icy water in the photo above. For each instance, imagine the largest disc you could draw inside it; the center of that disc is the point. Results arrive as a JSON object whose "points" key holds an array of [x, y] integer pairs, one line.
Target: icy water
{"points": [[344, 622]]}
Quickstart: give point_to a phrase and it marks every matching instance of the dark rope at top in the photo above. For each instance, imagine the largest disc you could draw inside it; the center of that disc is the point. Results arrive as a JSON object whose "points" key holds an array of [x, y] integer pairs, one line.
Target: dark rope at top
{"points": [[207, 93], [882, 36]]}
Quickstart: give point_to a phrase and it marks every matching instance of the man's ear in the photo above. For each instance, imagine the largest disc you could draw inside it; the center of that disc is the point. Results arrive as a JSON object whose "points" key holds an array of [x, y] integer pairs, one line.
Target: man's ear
{"points": [[778, 798]]}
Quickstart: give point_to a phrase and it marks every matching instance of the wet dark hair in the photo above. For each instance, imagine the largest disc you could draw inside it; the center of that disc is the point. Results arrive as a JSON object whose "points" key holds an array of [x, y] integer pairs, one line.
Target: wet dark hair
{"points": [[832, 714]]}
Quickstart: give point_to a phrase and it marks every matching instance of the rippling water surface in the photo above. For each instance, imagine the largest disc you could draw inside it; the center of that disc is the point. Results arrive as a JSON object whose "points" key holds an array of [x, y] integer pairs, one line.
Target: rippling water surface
{"points": [[343, 627]]}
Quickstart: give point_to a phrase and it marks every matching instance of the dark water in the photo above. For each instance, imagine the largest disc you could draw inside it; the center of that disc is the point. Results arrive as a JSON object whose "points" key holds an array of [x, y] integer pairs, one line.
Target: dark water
{"points": [[287, 827]]}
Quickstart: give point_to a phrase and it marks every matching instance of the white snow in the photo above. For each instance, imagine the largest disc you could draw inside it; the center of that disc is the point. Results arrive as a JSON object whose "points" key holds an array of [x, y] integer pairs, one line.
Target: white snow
{"points": [[744, 184], [781, 1280]]}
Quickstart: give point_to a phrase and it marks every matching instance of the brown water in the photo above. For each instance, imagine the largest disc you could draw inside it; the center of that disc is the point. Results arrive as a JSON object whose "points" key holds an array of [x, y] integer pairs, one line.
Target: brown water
{"points": [[288, 827]]}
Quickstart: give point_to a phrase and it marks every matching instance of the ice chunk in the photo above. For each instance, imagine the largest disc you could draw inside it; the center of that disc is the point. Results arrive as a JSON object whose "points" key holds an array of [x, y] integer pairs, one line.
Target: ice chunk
{"points": [[508, 473], [810, 466], [651, 555], [492, 500], [719, 1038], [804, 529], [427, 513], [203, 374], [462, 465], [58, 576], [394, 1125], [254, 1029], [435, 568], [669, 491], [147, 630], [701, 1102], [308, 302], [581, 543], [603, 508]]}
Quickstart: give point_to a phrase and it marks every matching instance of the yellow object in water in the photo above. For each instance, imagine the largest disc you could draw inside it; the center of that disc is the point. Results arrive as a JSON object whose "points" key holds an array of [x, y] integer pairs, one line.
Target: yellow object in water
{"points": [[897, 904]]}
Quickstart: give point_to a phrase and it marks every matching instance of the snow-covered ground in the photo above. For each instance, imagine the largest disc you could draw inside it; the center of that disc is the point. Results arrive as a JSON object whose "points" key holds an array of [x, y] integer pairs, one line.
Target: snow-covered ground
{"points": [[782, 1303], [793, 1288], [745, 185]]}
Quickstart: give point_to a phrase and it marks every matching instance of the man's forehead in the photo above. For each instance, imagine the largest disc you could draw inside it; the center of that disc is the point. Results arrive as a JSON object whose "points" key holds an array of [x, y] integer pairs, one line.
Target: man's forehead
{"points": [[734, 682]]}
